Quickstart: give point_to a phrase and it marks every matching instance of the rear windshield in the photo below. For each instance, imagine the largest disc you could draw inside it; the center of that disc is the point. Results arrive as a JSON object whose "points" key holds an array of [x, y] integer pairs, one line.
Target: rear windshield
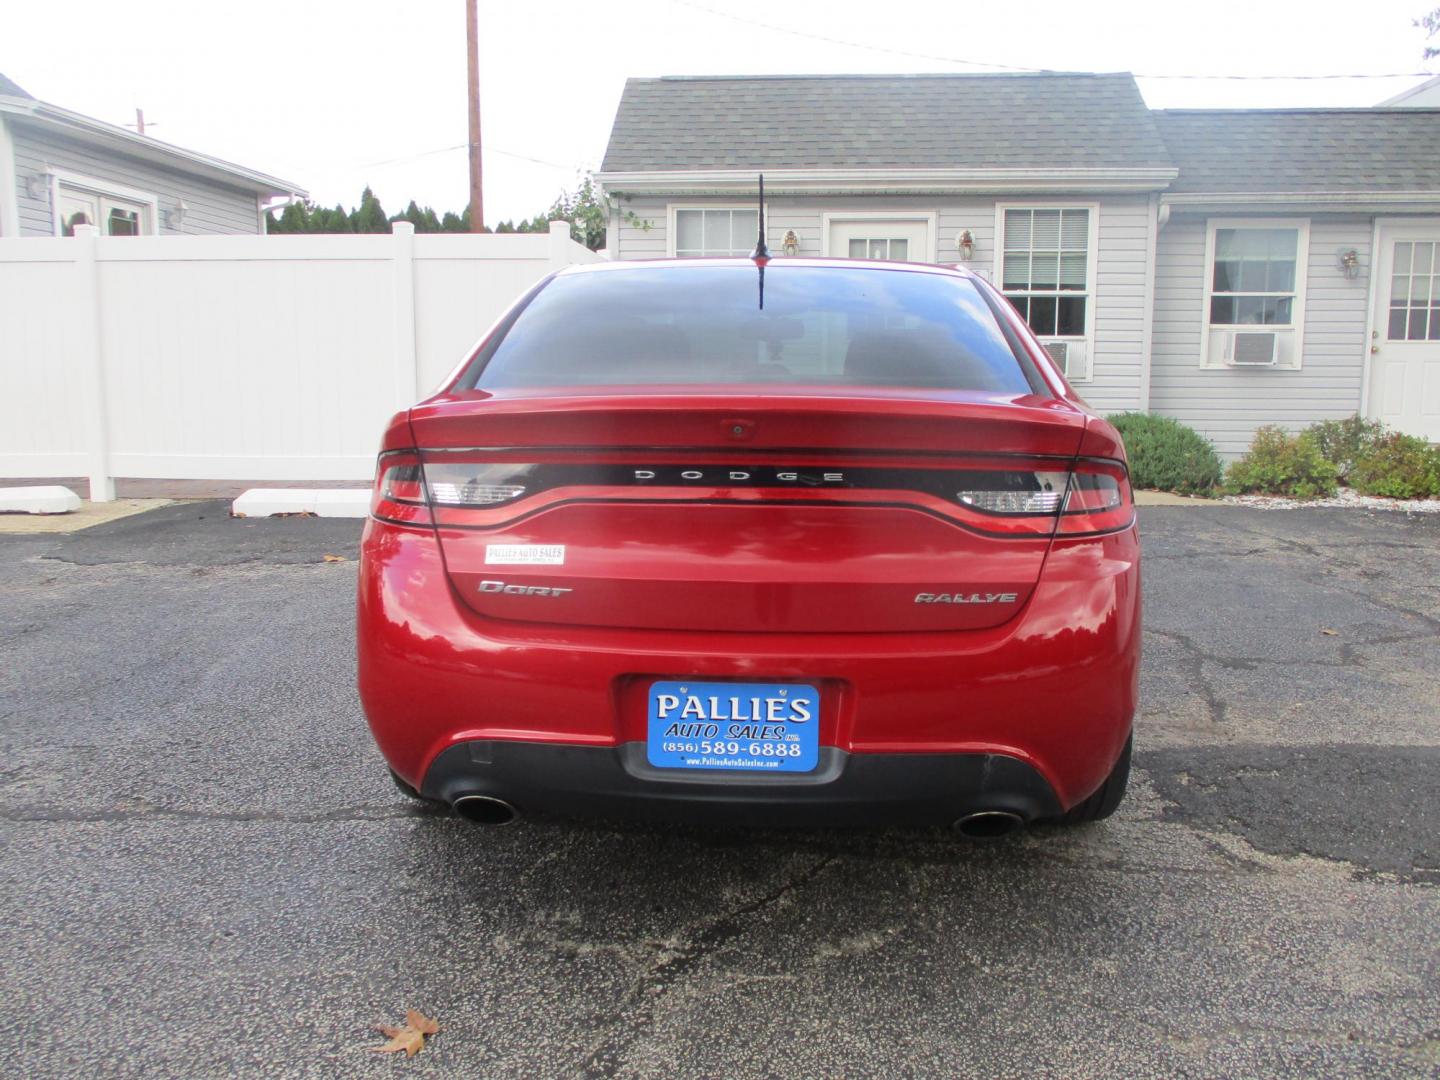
{"points": [[693, 325]]}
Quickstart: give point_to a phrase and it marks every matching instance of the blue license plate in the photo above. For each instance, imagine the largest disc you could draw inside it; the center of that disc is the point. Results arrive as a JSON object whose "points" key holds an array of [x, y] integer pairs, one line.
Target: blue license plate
{"points": [[734, 727]]}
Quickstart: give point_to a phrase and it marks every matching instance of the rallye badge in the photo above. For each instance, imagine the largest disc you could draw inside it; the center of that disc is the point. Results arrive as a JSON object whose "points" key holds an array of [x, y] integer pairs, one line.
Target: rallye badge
{"points": [[966, 598]]}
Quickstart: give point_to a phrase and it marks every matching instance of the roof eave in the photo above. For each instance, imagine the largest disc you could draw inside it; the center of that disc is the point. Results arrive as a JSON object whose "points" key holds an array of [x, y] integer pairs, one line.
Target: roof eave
{"points": [[77, 125], [893, 181], [1313, 201]]}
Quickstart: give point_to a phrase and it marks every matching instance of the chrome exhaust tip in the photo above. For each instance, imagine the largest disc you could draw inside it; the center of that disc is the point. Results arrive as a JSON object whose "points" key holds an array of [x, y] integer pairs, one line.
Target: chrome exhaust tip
{"points": [[485, 810], [988, 824]]}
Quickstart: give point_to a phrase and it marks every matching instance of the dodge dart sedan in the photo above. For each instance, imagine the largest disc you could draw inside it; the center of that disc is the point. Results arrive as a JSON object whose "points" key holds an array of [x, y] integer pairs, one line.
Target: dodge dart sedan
{"points": [[821, 542]]}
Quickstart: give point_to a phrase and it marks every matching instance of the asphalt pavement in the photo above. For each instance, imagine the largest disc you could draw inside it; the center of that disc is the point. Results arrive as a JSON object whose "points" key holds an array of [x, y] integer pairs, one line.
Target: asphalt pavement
{"points": [[204, 870]]}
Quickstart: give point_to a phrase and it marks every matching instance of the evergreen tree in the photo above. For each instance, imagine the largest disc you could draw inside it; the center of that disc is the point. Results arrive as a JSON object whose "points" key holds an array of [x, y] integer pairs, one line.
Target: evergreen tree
{"points": [[369, 216]]}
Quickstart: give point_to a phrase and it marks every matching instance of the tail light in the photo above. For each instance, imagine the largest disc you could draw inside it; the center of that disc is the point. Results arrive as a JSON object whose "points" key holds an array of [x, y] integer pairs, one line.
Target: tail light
{"points": [[399, 494], [1093, 498], [1099, 500]]}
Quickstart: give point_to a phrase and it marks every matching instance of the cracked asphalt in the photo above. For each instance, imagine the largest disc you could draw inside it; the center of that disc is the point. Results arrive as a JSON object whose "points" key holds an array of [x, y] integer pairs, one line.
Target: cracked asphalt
{"points": [[206, 872]]}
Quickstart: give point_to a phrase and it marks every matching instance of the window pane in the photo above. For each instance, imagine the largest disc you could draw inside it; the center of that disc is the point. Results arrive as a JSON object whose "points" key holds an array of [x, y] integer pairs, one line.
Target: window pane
{"points": [[858, 249], [688, 325], [122, 222], [1075, 230], [688, 232], [1402, 257], [1253, 276], [1046, 234], [1435, 323], [744, 231], [1424, 258], [1022, 305], [1227, 275], [717, 232], [1222, 310], [877, 249], [1017, 230], [900, 250], [1072, 270], [1072, 316], [1042, 315], [1277, 311], [1397, 324], [1045, 270], [1399, 289], [1416, 330], [1017, 271], [1281, 277], [1249, 310]]}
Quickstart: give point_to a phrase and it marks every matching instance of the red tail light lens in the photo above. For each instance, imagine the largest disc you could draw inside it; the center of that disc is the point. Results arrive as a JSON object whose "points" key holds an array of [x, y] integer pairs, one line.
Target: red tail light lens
{"points": [[399, 494], [1099, 500], [1094, 498]]}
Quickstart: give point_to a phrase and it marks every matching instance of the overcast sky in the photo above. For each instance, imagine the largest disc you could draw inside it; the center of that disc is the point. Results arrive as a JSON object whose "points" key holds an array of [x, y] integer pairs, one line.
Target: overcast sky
{"points": [[335, 94]]}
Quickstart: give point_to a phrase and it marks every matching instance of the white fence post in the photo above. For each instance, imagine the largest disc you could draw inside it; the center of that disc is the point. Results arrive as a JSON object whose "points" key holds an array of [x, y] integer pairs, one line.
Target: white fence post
{"points": [[91, 340], [407, 374], [560, 245]]}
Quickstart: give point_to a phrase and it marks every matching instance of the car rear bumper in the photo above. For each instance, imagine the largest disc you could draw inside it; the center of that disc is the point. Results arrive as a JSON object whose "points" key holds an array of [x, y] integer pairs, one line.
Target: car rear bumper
{"points": [[846, 789], [1053, 689]]}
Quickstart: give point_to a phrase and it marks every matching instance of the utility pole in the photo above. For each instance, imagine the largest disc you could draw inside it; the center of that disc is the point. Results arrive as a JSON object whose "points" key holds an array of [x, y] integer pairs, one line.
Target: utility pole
{"points": [[472, 63]]}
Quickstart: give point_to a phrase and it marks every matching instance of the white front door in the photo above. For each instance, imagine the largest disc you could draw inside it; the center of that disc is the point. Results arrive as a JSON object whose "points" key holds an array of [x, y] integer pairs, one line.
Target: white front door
{"points": [[1405, 345], [898, 239]]}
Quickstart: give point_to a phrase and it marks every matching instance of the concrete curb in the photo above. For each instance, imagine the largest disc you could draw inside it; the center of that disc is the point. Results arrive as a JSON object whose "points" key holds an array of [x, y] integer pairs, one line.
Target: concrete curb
{"points": [[38, 500], [322, 502]]}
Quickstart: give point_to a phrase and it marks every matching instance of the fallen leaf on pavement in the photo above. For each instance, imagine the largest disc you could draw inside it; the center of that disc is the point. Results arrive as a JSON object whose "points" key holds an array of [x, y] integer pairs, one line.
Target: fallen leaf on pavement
{"points": [[1328, 632], [335, 558], [410, 1038]]}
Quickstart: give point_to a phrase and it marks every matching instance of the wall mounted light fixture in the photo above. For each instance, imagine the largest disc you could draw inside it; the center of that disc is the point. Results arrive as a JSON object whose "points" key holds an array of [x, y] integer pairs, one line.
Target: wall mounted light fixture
{"points": [[1348, 261], [791, 243], [175, 216], [966, 243], [36, 185]]}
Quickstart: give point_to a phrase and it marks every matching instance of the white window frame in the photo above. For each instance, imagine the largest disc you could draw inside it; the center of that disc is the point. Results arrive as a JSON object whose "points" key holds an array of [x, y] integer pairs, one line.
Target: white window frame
{"points": [[150, 220], [672, 232], [1296, 327], [1092, 263], [929, 218]]}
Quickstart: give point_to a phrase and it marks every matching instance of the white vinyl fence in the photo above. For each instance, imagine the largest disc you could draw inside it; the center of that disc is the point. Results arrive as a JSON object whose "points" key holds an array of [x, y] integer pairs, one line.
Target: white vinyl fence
{"points": [[272, 358]]}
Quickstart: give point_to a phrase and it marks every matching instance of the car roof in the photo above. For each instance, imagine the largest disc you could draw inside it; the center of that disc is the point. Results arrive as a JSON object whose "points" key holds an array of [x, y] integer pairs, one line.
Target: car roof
{"points": [[622, 265]]}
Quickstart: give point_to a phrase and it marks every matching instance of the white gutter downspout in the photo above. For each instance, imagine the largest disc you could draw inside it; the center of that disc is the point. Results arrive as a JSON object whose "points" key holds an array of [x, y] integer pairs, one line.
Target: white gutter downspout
{"points": [[264, 209], [1158, 217], [9, 182]]}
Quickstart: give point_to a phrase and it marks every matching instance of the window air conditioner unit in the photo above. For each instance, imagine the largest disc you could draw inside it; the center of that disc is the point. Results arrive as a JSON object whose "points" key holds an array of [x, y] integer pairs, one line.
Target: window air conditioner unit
{"points": [[1069, 357], [1251, 349]]}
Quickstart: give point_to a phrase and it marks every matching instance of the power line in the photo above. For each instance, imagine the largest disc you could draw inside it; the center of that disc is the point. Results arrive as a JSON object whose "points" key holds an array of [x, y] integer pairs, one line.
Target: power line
{"points": [[1012, 67]]}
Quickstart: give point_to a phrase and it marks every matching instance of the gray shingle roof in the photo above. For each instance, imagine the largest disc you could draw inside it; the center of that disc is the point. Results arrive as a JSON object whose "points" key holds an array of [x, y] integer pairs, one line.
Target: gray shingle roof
{"points": [[11, 89], [1282, 150], [878, 121]]}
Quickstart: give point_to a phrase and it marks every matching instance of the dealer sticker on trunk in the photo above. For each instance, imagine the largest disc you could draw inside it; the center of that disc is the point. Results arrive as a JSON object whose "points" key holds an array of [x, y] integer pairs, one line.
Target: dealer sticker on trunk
{"points": [[738, 727], [524, 554]]}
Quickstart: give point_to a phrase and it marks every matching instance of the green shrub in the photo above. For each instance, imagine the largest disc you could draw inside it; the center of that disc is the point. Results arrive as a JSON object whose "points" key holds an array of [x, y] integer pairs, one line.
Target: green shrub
{"points": [[1398, 466], [1166, 455], [1282, 464], [1344, 442]]}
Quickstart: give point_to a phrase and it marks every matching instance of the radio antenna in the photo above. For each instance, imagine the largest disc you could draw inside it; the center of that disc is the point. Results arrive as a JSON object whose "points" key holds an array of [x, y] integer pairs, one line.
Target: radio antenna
{"points": [[761, 255]]}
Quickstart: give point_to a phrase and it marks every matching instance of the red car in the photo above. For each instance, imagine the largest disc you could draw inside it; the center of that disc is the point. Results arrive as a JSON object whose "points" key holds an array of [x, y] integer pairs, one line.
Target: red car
{"points": [[829, 543]]}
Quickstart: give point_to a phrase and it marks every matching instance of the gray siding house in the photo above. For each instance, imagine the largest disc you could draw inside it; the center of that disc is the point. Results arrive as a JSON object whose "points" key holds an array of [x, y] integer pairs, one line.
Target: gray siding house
{"points": [[59, 168], [1229, 268]]}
